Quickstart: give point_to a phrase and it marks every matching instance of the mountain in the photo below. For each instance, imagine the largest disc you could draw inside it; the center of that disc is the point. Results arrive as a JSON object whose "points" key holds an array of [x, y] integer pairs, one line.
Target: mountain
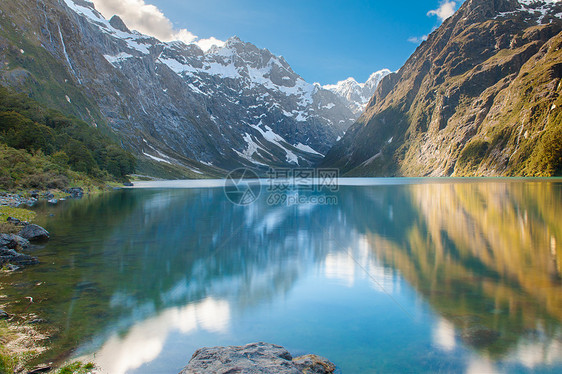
{"points": [[480, 97], [183, 111], [357, 95]]}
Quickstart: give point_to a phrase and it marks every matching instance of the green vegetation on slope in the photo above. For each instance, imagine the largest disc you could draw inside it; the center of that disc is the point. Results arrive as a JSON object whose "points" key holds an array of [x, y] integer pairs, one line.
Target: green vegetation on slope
{"points": [[42, 148], [481, 97], [20, 169]]}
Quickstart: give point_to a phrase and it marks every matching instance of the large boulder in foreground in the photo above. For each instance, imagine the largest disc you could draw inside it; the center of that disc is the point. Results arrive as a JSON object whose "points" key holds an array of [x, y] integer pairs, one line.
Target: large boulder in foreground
{"points": [[34, 233], [254, 358]]}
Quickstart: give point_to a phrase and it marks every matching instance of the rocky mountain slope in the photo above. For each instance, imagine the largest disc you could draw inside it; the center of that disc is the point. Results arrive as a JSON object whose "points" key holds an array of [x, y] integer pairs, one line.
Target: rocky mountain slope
{"points": [[185, 112], [480, 97], [357, 95]]}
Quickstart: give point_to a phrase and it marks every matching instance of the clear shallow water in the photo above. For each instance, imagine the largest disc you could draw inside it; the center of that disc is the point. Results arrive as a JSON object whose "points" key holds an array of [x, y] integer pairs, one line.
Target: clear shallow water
{"points": [[401, 276]]}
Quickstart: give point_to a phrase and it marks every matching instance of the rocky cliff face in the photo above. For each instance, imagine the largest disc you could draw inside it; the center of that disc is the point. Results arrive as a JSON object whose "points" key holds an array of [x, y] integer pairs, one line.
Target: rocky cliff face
{"points": [[172, 103], [479, 97]]}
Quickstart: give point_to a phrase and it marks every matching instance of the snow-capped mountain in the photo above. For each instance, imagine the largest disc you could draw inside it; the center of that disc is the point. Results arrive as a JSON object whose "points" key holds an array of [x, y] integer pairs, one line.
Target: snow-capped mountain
{"points": [[173, 103], [357, 95]]}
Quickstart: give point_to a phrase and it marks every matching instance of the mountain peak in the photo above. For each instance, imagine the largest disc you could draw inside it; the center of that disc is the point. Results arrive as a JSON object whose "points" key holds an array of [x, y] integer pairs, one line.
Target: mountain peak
{"points": [[118, 24], [376, 78], [234, 40], [357, 95], [377, 74]]}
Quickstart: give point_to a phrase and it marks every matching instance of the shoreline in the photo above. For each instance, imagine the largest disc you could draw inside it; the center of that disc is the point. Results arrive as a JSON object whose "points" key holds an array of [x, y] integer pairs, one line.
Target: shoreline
{"points": [[25, 336], [345, 181]]}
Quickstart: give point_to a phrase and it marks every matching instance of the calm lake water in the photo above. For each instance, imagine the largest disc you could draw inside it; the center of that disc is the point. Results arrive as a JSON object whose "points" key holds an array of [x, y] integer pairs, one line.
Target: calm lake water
{"points": [[397, 276]]}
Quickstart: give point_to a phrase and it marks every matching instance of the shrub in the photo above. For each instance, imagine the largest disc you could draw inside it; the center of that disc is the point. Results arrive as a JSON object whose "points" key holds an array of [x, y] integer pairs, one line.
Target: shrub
{"points": [[473, 153], [60, 158], [24, 124]]}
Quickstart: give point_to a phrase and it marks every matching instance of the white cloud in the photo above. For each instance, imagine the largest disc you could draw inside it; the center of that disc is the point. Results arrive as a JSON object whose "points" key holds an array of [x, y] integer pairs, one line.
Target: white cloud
{"points": [[417, 39], [123, 353], [446, 9], [182, 35], [206, 44], [444, 335], [149, 20]]}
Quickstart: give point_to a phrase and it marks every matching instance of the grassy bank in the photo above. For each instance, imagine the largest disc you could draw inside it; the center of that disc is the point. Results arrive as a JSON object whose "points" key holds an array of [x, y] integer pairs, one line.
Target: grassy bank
{"points": [[22, 171], [24, 174], [20, 343]]}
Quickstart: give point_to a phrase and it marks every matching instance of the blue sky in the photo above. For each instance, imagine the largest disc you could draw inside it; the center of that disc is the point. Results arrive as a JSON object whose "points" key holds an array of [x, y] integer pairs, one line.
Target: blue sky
{"points": [[324, 40]]}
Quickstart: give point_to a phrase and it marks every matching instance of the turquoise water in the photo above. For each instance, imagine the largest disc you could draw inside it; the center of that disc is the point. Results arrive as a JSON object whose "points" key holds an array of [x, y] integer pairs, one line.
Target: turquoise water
{"points": [[415, 276]]}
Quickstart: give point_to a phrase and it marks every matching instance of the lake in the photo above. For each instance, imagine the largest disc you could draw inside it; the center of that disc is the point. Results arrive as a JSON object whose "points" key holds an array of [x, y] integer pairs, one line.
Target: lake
{"points": [[382, 275]]}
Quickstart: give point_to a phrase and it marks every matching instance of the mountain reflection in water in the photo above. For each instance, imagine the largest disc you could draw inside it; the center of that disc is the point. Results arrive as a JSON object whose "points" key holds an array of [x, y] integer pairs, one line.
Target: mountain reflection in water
{"points": [[441, 276]]}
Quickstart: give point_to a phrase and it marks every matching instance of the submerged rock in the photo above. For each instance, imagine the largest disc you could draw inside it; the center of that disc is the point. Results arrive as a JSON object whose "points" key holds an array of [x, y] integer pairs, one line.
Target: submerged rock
{"points": [[254, 358], [41, 369], [313, 364], [11, 267], [34, 233], [75, 192], [479, 336], [8, 255], [36, 321], [3, 314]]}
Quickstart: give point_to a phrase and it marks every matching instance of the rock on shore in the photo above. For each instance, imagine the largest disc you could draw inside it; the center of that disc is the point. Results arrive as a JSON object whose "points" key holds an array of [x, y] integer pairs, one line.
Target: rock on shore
{"points": [[34, 233], [8, 245], [255, 358]]}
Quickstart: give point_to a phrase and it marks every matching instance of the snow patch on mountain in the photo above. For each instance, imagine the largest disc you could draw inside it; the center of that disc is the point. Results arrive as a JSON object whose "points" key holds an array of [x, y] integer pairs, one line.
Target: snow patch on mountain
{"points": [[263, 110], [134, 40], [156, 158], [278, 141], [542, 8], [357, 95], [87, 9], [306, 148], [113, 60]]}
